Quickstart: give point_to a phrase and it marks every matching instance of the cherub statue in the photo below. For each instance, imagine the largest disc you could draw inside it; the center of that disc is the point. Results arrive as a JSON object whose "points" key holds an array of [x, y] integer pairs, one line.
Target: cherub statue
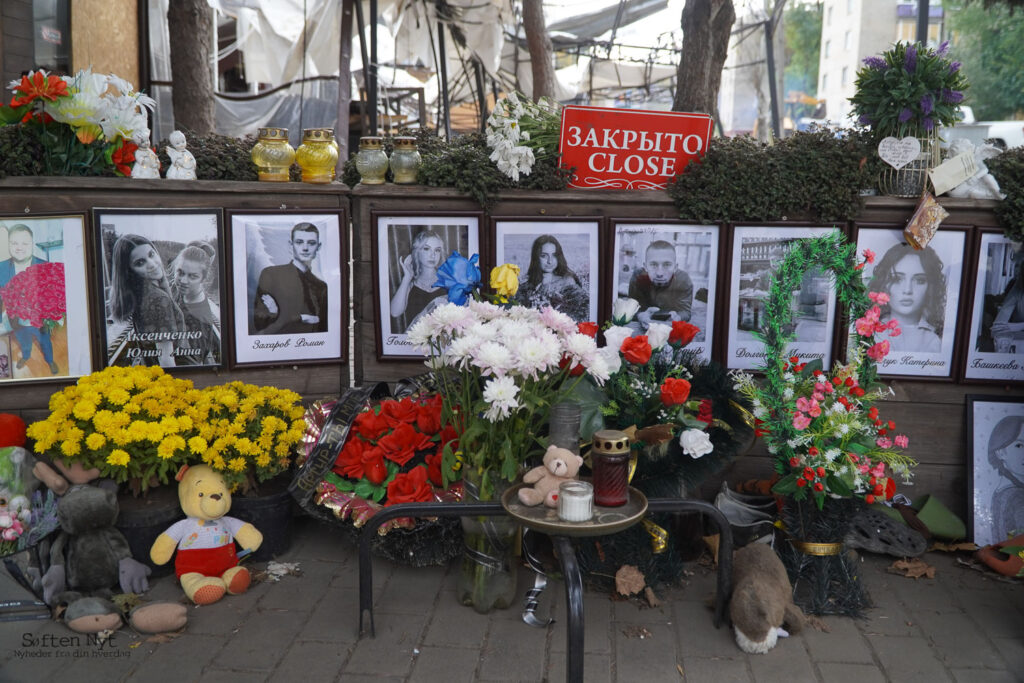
{"points": [[183, 164], [981, 185], [147, 163]]}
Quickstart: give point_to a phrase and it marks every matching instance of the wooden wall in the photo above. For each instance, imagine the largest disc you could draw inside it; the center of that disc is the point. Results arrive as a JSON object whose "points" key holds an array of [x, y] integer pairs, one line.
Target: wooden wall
{"points": [[106, 37], [17, 52], [931, 413], [33, 196]]}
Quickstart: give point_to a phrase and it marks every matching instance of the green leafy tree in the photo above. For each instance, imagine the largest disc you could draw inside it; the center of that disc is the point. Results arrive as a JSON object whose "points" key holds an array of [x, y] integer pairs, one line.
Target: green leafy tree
{"points": [[802, 26], [990, 43]]}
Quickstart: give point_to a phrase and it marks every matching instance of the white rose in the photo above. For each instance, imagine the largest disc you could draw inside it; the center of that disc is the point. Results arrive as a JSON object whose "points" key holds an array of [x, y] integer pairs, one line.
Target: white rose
{"points": [[658, 334], [623, 309], [615, 335], [695, 443]]}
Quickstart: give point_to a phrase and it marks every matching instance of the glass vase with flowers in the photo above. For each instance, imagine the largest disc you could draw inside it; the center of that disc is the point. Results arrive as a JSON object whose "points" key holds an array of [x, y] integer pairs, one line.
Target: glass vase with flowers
{"points": [[499, 369]]}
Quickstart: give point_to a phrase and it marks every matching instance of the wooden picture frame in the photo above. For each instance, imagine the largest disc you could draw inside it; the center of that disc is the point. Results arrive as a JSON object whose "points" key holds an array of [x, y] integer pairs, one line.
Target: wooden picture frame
{"points": [[393, 236], [289, 287], [925, 349], [573, 247], [995, 468], [997, 304], [146, 320], [754, 248], [54, 348], [695, 250]]}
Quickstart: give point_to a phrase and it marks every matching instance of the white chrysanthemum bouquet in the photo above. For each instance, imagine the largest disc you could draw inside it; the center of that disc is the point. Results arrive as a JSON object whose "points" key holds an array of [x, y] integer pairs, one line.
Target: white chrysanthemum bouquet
{"points": [[520, 132], [500, 369]]}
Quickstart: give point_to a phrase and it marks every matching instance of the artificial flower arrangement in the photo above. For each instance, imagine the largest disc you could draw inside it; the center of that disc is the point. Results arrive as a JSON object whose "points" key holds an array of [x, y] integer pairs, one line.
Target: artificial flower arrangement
{"points": [[36, 295], [828, 438], [139, 425], [88, 123], [909, 90], [521, 132]]}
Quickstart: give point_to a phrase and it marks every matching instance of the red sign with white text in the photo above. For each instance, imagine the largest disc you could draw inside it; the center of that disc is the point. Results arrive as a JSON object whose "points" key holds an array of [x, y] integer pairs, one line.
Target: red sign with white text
{"points": [[630, 149]]}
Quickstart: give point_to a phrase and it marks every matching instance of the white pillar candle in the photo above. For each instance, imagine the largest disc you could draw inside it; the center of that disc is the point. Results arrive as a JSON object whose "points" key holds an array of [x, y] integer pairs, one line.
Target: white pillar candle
{"points": [[575, 501]]}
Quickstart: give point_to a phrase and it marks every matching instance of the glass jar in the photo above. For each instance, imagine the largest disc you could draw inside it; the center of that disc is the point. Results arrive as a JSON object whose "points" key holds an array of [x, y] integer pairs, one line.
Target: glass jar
{"points": [[273, 155], [371, 161], [564, 425], [610, 460], [405, 160], [575, 501], [316, 156]]}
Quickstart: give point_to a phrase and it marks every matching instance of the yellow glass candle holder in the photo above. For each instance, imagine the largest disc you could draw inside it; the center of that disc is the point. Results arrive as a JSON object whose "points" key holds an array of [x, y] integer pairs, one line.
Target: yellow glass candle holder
{"points": [[273, 155], [317, 155]]}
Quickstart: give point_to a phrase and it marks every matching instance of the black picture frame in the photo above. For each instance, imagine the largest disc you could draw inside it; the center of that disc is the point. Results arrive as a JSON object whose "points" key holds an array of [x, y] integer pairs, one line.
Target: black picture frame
{"points": [[68, 344], [578, 238], [998, 292], [929, 350], [698, 249], [995, 467], [262, 255], [168, 334], [392, 235]]}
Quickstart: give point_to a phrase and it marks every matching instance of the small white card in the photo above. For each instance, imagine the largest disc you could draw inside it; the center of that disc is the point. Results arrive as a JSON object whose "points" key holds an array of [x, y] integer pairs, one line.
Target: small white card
{"points": [[952, 172], [898, 152]]}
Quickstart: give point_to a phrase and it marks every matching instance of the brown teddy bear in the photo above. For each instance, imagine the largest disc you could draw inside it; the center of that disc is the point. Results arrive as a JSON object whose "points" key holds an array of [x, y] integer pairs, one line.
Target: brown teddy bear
{"points": [[560, 464], [207, 564], [762, 599]]}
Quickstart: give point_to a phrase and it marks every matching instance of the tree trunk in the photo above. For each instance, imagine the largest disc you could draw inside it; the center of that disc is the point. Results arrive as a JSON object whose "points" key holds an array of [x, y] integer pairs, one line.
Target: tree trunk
{"points": [[190, 24], [541, 52], [706, 28]]}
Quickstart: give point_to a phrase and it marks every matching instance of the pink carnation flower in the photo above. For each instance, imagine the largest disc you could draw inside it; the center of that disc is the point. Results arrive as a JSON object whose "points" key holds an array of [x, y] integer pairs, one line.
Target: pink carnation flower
{"points": [[879, 350], [869, 255], [801, 421], [879, 297], [883, 442], [901, 441]]}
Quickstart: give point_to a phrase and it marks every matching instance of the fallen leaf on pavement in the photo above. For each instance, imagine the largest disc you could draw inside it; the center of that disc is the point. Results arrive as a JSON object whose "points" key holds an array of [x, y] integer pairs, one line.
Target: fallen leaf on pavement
{"points": [[636, 632], [629, 580], [914, 568], [953, 547]]}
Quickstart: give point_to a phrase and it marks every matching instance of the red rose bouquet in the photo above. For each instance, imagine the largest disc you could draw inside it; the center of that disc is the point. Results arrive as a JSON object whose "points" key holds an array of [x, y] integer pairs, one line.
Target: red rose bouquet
{"points": [[392, 455], [35, 296]]}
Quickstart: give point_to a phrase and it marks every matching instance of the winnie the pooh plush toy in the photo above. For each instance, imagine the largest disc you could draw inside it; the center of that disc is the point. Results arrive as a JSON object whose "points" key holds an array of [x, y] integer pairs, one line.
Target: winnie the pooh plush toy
{"points": [[560, 464], [207, 564]]}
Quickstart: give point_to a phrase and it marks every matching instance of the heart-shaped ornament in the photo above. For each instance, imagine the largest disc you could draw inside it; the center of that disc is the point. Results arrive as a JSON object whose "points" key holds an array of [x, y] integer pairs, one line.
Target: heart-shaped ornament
{"points": [[899, 152]]}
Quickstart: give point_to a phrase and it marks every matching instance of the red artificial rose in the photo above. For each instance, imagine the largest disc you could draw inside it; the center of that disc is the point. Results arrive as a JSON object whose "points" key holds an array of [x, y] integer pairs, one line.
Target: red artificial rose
{"points": [[682, 333], [349, 462], [813, 450], [398, 412], [587, 328], [675, 391], [801, 482], [704, 412], [401, 445], [434, 468], [410, 487], [808, 473], [794, 359], [375, 470], [577, 369], [794, 461], [818, 486], [428, 416], [636, 350], [869, 499], [849, 382], [370, 425], [123, 156], [890, 488], [821, 471]]}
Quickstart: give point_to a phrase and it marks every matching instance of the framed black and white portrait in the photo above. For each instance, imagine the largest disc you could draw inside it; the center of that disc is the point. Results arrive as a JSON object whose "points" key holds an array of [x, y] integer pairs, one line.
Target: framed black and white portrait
{"points": [[287, 284], [161, 286], [671, 270], [558, 263], [756, 251], [995, 443], [45, 328], [995, 347], [408, 250], [923, 287]]}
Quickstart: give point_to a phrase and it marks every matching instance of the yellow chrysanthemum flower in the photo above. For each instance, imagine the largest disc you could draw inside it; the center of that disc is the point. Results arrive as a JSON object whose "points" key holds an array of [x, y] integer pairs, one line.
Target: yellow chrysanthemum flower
{"points": [[237, 464], [197, 445], [118, 458], [95, 441], [70, 448], [84, 410]]}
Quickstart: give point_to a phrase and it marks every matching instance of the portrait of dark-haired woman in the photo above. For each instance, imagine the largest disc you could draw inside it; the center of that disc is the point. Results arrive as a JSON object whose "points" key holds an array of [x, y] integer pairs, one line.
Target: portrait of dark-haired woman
{"points": [[916, 287], [550, 282]]}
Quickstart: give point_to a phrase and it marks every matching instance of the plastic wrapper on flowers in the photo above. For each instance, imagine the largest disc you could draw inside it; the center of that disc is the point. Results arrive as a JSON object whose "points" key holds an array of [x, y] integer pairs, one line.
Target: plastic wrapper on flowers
{"points": [[372, 450]]}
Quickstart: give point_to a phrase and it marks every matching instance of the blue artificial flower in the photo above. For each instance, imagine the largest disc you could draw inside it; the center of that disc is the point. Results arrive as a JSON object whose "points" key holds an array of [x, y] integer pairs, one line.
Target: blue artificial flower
{"points": [[943, 49], [954, 67], [460, 276], [865, 120], [926, 104], [910, 60], [905, 115], [928, 123], [952, 96]]}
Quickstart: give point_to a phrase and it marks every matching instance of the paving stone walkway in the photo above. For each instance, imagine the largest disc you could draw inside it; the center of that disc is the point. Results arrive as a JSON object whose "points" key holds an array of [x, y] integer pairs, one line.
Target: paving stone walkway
{"points": [[963, 625]]}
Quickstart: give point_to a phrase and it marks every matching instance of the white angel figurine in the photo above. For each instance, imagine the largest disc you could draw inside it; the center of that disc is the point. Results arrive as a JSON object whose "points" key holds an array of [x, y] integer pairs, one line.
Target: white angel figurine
{"points": [[147, 163], [982, 185], [183, 164]]}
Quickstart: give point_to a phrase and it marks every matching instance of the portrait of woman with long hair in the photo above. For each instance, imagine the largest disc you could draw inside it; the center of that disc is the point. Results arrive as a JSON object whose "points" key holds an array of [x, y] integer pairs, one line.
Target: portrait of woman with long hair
{"points": [[916, 286], [549, 281], [140, 294], [193, 274], [416, 293]]}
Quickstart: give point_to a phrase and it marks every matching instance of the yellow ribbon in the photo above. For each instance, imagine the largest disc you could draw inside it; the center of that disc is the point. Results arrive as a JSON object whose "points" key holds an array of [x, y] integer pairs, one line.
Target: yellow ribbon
{"points": [[659, 537], [818, 549]]}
